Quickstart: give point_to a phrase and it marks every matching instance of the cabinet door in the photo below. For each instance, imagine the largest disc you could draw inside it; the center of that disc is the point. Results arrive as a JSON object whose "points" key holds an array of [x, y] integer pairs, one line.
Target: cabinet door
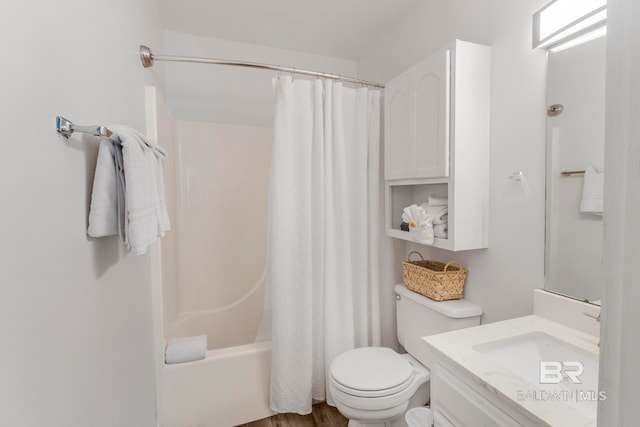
{"points": [[398, 144], [462, 406], [429, 84]]}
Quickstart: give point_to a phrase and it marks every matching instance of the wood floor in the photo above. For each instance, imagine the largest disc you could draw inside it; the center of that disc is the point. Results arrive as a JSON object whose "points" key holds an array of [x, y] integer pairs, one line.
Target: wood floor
{"points": [[322, 415]]}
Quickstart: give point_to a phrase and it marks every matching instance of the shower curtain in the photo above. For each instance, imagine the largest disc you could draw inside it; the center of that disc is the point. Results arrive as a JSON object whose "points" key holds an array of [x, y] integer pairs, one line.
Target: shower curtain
{"points": [[322, 257]]}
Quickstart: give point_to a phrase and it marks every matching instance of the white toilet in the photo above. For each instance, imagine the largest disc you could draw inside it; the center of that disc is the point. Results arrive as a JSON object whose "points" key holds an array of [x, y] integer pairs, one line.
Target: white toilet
{"points": [[375, 386]]}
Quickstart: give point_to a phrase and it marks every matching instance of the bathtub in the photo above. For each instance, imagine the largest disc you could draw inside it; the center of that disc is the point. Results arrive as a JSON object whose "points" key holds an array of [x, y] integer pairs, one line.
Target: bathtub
{"points": [[229, 387]]}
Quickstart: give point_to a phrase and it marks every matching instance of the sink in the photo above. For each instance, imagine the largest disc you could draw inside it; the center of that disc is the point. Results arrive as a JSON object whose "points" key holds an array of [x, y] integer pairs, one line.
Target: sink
{"points": [[522, 355]]}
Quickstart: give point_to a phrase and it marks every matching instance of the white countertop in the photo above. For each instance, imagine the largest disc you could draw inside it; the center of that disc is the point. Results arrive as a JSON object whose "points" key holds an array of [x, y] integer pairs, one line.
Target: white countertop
{"points": [[458, 347]]}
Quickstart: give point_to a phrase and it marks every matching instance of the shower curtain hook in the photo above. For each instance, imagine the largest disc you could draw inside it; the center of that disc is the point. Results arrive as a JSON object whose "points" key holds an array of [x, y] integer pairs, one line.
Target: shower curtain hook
{"points": [[293, 74]]}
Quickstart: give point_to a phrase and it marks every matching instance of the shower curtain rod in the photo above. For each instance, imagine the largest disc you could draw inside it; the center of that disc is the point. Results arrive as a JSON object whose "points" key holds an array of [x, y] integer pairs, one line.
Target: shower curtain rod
{"points": [[147, 57]]}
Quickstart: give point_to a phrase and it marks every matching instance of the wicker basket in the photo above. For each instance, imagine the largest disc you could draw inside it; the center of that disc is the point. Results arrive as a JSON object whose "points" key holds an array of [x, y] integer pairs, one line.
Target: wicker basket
{"points": [[433, 279]]}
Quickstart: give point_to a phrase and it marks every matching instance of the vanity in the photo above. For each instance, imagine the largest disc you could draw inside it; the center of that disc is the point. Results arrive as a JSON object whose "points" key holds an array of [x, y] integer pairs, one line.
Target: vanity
{"points": [[493, 374]]}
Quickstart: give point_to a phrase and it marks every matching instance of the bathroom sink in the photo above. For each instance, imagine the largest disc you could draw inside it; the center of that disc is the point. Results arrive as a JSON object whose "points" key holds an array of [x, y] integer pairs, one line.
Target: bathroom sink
{"points": [[524, 355]]}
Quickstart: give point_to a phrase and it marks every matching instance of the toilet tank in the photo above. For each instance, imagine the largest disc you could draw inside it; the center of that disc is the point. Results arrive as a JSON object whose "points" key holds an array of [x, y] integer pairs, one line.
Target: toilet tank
{"points": [[418, 316]]}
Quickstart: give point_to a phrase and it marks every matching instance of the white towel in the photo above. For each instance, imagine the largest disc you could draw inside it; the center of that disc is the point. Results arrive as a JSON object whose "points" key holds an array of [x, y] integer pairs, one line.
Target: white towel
{"points": [[103, 214], [128, 192], [186, 349], [145, 211], [440, 214], [593, 190], [423, 233], [420, 224], [437, 201], [414, 215], [122, 205], [441, 231]]}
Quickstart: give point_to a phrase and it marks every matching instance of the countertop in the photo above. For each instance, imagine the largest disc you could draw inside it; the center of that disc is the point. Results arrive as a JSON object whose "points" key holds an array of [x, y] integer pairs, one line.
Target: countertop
{"points": [[458, 347]]}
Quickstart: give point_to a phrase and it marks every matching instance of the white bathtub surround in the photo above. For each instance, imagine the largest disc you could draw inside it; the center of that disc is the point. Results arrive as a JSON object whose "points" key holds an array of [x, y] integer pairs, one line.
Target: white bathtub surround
{"points": [[186, 349], [128, 190], [213, 280], [500, 361], [211, 285], [322, 271]]}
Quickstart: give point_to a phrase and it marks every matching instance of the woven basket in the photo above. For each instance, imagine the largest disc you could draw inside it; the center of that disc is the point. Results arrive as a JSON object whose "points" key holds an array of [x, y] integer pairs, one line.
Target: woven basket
{"points": [[433, 279]]}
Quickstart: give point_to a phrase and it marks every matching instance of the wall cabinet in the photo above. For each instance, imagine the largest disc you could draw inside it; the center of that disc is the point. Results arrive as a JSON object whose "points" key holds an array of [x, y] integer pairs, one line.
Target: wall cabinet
{"points": [[437, 141], [417, 108]]}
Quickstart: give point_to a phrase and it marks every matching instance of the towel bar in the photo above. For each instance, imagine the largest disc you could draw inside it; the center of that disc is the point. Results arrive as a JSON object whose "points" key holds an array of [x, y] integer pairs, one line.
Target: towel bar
{"points": [[570, 173], [66, 128]]}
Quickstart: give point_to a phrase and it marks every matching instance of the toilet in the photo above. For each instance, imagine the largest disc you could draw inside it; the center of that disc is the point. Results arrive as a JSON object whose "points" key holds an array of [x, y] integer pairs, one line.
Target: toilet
{"points": [[375, 386]]}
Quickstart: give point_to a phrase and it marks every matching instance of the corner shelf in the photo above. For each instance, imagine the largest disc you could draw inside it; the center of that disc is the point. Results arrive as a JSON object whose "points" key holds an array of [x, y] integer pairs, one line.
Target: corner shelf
{"points": [[401, 194], [404, 235], [468, 209]]}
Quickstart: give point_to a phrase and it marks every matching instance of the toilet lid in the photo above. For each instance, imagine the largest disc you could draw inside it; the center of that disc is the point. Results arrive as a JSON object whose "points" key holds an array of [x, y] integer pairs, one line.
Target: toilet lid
{"points": [[371, 369]]}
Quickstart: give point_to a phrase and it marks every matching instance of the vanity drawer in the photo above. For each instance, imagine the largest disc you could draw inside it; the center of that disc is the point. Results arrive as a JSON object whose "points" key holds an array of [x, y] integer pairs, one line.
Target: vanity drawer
{"points": [[460, 406]]}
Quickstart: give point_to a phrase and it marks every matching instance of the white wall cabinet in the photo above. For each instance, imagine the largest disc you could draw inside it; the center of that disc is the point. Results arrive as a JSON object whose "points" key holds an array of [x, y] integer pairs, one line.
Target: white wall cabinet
{"points": [[437, 141], [417, 108]]}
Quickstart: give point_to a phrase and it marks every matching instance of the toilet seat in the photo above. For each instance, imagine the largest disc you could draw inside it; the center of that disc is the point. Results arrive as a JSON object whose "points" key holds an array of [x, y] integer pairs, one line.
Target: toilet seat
{"points": [[373, 393], [371, 372], [364, 390]]}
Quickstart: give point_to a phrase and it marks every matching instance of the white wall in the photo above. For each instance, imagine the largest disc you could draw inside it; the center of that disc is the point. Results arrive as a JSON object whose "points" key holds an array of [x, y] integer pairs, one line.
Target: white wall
{"points": [[75, 313], [619, 345], [232, 95], [501, 278]]}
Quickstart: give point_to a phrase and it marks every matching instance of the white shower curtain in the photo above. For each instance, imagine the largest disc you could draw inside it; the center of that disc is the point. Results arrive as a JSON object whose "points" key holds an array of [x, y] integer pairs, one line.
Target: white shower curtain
{"points": [[322, 263]]}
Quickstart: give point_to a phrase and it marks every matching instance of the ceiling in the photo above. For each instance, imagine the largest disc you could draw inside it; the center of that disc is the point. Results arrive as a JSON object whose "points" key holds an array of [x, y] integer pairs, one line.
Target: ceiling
{"points": [[338, 28]]}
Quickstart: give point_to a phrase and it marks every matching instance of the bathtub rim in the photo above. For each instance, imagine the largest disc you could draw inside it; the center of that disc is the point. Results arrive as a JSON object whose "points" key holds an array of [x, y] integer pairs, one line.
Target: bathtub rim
{"points": [[227, 352]]}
